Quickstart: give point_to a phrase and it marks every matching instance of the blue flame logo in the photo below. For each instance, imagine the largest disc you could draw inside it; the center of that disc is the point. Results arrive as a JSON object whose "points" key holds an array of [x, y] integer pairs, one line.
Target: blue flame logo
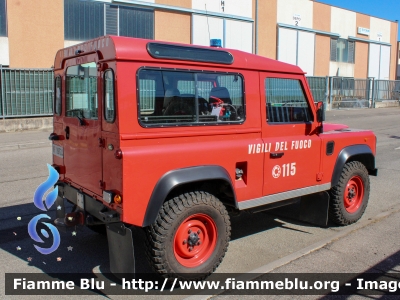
{"points": [[45, 206]]}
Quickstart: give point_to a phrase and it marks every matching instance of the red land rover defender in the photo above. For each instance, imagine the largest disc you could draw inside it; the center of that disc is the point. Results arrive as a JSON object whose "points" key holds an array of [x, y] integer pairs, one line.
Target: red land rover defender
{"points": [[172, 137]]}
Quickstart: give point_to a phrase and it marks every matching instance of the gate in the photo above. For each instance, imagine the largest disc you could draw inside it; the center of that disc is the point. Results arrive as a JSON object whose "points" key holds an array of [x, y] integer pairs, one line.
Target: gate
{"points": [[350, 92]]}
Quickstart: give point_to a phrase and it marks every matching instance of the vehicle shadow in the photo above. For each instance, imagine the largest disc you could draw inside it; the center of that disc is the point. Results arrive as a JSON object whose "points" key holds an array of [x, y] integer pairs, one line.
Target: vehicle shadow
{"points": [[387, 270], [84, 251]]}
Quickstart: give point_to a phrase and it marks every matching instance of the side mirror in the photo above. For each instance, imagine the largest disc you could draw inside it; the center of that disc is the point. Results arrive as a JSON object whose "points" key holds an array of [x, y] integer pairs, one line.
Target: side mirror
{"points": [[320, 112]]}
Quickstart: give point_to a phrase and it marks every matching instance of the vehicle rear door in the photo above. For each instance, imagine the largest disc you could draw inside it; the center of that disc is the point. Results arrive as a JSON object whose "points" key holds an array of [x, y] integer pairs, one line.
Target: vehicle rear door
{"points": [[82, 124], [290, 134]]}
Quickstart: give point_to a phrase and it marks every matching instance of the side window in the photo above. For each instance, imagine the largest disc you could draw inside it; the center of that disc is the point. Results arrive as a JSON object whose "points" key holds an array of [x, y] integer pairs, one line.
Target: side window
{"points": [[286, 102], [109, 92], [179, 98], [81, 91], [57, 96]]}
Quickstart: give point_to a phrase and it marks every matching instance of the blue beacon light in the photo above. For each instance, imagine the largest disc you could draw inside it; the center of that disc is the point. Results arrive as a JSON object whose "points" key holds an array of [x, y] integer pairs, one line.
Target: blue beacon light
{"points": [[215, 43]]}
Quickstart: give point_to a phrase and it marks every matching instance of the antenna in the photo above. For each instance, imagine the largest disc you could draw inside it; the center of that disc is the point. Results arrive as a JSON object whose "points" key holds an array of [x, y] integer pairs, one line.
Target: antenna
{"points": [[208, 25]]}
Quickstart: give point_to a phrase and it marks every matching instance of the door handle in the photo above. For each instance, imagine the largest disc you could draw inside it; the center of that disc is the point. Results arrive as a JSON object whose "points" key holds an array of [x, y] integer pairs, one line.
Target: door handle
{"points": [[276, 154], [54, 137], [66, 132]]}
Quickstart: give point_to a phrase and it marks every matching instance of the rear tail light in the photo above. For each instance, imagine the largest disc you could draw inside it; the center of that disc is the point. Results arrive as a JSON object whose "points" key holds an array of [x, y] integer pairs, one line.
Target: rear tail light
{"points": [[109, 196], [117, 199], [118, 154]]}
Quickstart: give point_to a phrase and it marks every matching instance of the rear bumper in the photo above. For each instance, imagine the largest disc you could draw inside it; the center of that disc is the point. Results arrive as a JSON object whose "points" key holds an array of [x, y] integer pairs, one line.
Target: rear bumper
{"points": [[90, 205]]}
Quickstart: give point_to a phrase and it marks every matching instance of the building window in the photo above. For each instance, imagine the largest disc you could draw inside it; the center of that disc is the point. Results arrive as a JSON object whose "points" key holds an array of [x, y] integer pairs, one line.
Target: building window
{"points": [[342, 51], [87, 20], [136, 22], [3, 18], [83, 20]]}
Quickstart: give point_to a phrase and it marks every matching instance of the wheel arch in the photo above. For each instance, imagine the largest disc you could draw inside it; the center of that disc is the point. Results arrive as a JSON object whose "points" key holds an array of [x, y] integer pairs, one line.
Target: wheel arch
{"points": [[180, 178], [361, 153]]}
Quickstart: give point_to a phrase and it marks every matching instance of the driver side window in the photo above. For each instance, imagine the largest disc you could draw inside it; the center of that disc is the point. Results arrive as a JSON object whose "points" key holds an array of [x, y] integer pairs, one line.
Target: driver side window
{"points": [[286, 102]]}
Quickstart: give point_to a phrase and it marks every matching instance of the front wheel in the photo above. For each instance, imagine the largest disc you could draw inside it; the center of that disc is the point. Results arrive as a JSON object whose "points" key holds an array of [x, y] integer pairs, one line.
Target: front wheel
{"points": [[349, 198], [190, 236]]}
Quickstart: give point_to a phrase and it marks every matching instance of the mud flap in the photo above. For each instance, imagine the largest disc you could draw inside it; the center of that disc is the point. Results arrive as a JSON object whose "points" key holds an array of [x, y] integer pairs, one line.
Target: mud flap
{"points": [[120, 247], [60, 214], [312, 209]]}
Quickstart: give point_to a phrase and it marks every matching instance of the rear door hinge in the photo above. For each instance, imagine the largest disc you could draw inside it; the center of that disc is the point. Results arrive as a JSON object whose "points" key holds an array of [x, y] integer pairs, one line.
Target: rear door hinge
{"points": [[320, 176], [101, 142]]}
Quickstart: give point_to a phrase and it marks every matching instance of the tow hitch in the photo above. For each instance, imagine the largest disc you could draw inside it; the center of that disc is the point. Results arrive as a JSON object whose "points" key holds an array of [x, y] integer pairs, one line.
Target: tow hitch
{"points": [[120, 240]]}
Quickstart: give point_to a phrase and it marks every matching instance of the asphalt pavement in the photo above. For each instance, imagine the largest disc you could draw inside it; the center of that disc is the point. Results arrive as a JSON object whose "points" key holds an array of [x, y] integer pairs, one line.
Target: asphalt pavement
{"points": [[261, 243]]}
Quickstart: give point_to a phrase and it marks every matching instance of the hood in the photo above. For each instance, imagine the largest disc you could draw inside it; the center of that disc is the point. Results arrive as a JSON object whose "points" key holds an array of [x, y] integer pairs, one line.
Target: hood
{"points": [[330, 127]]}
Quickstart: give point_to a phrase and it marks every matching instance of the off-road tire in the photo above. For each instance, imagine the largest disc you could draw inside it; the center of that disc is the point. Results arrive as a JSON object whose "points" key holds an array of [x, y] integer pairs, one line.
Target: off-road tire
{"points": [[161, 235], [338, 213]]}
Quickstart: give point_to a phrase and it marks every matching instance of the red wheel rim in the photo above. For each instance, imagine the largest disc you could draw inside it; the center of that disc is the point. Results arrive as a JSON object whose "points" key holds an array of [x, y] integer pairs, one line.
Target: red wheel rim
{"points": [[195, 240], [353, 194]]}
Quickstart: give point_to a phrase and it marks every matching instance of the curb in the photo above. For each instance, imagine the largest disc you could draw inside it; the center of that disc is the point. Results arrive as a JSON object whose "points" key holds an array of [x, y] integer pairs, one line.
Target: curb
{"points": [[253, 274], [25, 146]]}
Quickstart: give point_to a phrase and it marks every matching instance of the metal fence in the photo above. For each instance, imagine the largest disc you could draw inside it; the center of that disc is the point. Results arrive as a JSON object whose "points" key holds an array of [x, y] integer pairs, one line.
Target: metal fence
{"points": [[386, 90], [26, 92], [319, 88], [29, 92], [350, 92]]}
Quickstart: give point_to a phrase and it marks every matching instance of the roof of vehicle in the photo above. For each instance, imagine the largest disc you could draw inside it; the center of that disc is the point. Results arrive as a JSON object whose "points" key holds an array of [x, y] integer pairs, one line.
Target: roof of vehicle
{"points": [[134, 49]]}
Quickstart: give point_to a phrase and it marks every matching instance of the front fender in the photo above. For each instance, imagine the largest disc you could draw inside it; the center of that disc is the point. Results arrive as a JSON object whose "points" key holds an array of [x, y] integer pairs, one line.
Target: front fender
{"points": [[174, 178], [362, 153]]}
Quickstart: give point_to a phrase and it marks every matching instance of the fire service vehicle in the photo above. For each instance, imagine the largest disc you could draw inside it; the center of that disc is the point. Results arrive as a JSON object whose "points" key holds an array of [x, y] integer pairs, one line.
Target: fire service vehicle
{"points": [[176, 138]]}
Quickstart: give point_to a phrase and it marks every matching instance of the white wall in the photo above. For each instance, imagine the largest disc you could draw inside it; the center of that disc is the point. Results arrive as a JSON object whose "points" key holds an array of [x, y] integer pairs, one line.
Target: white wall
{"points": [[379, 61], [71, 43], [374, 60], [206, 28], [382, 27], [297, 47], [343, 22], [306, 52], [341, 69], [241, 8], [287, 49], [4, 52], [288, 8], [239, 35], [384, 72]]}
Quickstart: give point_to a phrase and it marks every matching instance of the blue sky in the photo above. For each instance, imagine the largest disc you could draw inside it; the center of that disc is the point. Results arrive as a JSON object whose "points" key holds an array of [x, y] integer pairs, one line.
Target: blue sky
{"points": [[386, 9]]}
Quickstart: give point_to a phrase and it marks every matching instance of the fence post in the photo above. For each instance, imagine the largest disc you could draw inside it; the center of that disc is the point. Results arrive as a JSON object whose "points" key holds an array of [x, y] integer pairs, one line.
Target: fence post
{"points": [[373, 93], [2, 91], [330, 92], [326, 91]]}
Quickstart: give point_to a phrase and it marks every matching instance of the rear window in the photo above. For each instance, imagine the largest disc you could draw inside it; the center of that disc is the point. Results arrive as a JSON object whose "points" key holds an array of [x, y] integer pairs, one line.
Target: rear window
{"points": [[81, 91], [174, 98], [57, 96]]}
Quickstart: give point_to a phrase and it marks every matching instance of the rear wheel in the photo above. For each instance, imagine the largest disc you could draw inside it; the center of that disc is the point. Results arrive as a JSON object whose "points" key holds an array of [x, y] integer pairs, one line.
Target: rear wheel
{"points": [[349, 198], [190, 236]]}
